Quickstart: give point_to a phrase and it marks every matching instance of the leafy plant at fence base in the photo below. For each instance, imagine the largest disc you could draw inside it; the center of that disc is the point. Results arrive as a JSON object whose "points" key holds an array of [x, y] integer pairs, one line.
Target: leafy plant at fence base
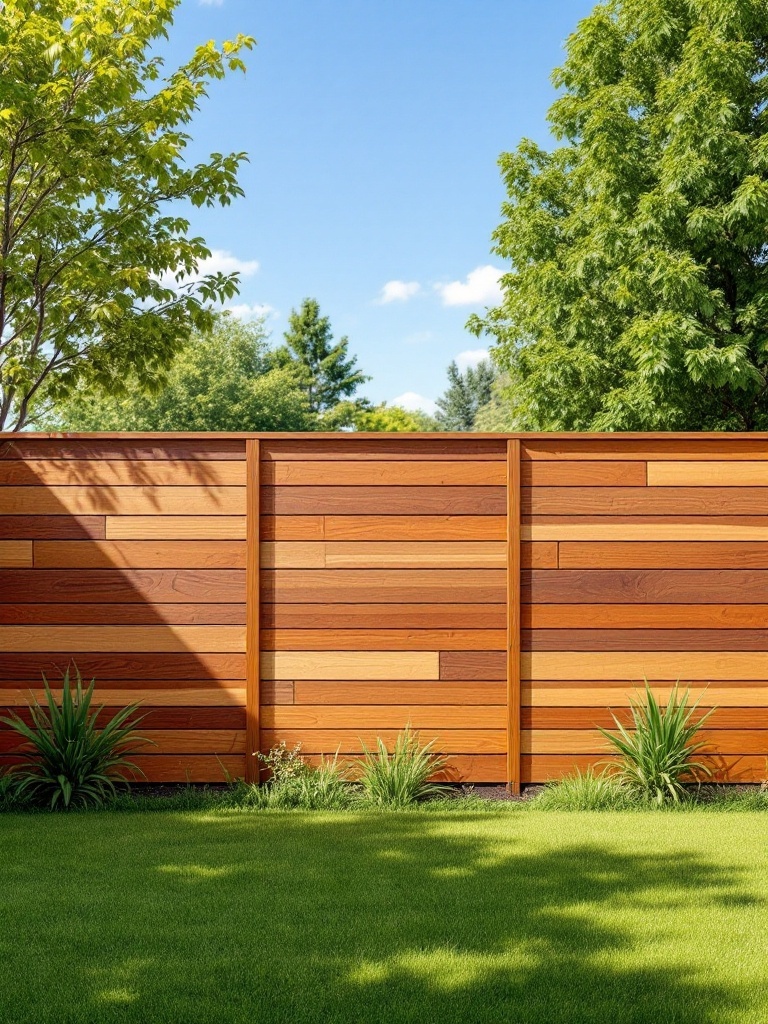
{"points": [[587, 791], [657, 754], [70, 761], [296, 784], [402, 777]]}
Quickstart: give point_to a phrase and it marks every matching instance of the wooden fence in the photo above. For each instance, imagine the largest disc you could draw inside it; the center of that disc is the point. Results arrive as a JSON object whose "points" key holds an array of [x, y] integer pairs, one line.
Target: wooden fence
{"points": [[499, 593]]}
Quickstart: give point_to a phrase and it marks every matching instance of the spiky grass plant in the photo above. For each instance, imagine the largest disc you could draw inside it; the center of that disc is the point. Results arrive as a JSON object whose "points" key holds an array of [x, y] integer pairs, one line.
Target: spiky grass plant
{"points": [[657, 754], [587, 791], [400, 778], [71, 761]]}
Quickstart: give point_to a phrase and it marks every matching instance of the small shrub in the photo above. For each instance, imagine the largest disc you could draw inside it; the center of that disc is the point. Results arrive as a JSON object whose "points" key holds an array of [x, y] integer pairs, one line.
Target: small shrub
{"points": [[284, 765], [400, 778], [71, 762], [296, 784], [587, 791], [657, 755]]}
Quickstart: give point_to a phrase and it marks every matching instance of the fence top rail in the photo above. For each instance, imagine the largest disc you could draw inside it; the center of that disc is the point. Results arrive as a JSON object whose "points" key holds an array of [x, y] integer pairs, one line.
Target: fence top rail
{"points": [[383, 436]]}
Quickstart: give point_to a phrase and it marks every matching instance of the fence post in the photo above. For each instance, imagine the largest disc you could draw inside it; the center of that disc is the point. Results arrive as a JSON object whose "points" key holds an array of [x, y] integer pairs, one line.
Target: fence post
{"points": [[252, 612], [513, 615]]}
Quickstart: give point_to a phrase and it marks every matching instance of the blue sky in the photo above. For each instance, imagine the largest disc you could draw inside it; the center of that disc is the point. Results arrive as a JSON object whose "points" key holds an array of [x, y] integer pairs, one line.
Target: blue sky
{"points": [[373, 131]]}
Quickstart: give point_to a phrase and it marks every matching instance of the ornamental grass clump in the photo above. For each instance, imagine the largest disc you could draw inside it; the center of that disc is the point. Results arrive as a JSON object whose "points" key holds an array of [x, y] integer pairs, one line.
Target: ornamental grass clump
{"points": [[295, 784], [657, 754], [402, 777], [70, 760], [587, 791]]}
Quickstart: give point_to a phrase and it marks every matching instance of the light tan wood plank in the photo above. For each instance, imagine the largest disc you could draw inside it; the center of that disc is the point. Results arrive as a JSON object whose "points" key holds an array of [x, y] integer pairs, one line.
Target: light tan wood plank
{"points": [[708, 474], [350, 665], [383, 639], [372, 555], [230, 694], [287, 554], [175, 527], [139, 554], [566, 741], [159, 501], [423, 528], [348, 741], [282, 528], [637, 665], [387, 716], [16, 554], [315, 692], [555, 694], [124, 639], [705, 530], [371, 473], [122, 472]]}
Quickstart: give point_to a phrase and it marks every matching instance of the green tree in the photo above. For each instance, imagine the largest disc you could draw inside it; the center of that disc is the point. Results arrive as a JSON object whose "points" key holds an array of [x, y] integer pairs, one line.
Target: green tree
{"points": [[638, 291], [393, 419], [466, 394], [92, 141], [327, 373], [221, 380]]}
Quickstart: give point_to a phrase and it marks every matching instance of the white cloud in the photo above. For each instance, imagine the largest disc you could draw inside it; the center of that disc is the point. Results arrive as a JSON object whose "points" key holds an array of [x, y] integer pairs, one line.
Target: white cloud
{"points": [[220, 261], [398, 291], [471, 357], [245, 312], [414, 402], [481, 287], [210, 3]]}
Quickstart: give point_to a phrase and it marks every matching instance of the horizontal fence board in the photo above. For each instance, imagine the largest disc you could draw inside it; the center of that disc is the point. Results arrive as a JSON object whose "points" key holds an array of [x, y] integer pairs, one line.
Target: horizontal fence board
{"points": [[139, 554], [350, 664], [355, 448], [591, 693], [164, 586], [637, 665], [387, 473], [160, 638], [120, 693], [708, 474], [166, 718], [645, 616], [383, 639], [383, 616], [644, 449], [276, 691], [389, 554], [549, 767], [121, 472], [473, 665], [132, 447], [644, 500], [583, 474], [646, 528], [123, 614], [56, 527], [386, 716], [405, 527], [592, 741], [121, 665], [660, 555], [366, 692], [603, 717], [149, 500], [349, 741], [645, 586], [645, 639], [16, 553], [161, 741], [296, 501], [175, 528], [410, 586]]}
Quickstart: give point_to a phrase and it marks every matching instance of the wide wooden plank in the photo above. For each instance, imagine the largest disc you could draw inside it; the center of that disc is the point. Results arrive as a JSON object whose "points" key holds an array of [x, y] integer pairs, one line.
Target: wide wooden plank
{"points": [[297, 501], [390, 554], [570, 693], [276, 691], [384, 716], [646, 528], [148, 500], [132, 666], [176, 528], [350, 664], [15, 553], [28, 527], [578, 741], [383, 616], [366, 473], [284, 528], [170, 718], [139, 554], [645, 501], [640, 616], [383, 639], [449, 586], [646, 639], [645, 586], [227, 695], [708, 474], [473, 665], [354, 447], [349, 741], [548, 767], [208, 586], [645, 449], [121, 472], [122, 614], [163, 741], [583, 474], [134, 447], [637, 665], [162, 639], [405, 527], [365, 692], [658, 555], [592, 718]]}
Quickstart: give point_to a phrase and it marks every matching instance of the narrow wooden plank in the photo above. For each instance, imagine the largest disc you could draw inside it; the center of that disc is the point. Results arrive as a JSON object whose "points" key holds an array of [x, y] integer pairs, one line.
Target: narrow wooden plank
{"points": [[637, 665], [165, 741], [176, 528], [363, 692], [168, 718], [459, 768], [350, 664], [121, 472], [139, 554], [582, 474], [646, 528], [343, 639], [148, 500], [645, 448], [658, 555], [548, 767], [405, 527], [645, 639], [409, 586], [161, 639], [645, 500], [164, 586], [133, 447], [292, 527], [16, 554], [122, 614], [513, 655], [119, 665], [367, 473], [297, 501], [383, 616], [473, 664], [645, 586], [641, 616], [592, 717], [390, 554], [253, 599], [292, 554], [230, 696], [578, 741], [570, 693], [349, 741], [65, 527], [384, 716], [708, 474], [400, 448]]}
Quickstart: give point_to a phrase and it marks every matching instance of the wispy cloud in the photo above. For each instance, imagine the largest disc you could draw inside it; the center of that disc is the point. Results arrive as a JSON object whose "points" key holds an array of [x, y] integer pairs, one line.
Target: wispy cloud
{"points": [[243, 311], [481, 287], [210, 3], [414, 402], [471, 357], [398, 291]]}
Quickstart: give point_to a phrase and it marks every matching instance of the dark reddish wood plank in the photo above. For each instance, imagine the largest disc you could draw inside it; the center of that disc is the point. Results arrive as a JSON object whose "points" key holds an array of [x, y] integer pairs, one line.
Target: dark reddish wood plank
{"points": [[52, 527], [650, 554], [208, 586], [660, 501], [355, 501], [383, 616], [442, 586], [276, 691], [138, 667], [122, 614], [469, 665], [166, 718], [645, 586], [140, 449]]}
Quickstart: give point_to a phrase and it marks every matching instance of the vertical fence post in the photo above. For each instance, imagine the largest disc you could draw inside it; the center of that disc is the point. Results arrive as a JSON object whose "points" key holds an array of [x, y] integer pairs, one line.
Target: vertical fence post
{"points": [[513, 615], [252, 613]]}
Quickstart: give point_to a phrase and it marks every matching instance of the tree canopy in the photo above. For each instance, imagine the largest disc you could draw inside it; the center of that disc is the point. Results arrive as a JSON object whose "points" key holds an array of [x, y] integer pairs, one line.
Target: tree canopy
{"points": [[99, 274], [466, 394], [638, 291]]}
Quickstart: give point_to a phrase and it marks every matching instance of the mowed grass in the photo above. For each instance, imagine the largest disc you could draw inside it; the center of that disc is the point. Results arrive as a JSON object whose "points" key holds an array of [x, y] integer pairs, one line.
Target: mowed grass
{"points": [[505, 916]]}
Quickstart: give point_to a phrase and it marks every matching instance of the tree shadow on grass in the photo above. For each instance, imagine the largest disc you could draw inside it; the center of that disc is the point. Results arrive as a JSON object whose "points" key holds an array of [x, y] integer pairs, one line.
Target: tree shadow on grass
{"points": [[396, 918]]}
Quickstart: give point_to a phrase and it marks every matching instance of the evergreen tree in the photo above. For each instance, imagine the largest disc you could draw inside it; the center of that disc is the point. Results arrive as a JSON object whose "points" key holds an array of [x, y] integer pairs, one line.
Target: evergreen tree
{"points": [[465, 395]]}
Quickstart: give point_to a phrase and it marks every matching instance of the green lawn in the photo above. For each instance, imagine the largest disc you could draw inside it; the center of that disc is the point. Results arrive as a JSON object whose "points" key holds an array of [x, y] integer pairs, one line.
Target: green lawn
{"points": [[506, 916]]}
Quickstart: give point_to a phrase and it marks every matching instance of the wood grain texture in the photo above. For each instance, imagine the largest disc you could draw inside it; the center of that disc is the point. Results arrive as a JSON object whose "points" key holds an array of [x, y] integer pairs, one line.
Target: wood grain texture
{"points": [[16, 553], [592, 717], [168, 718], [161, 639], [643, 449], [582, 473], [657, 501], [383, 639], [708, 474], [27, 527], [473, 665], [121, 472], [436, 586], [164, 741], [733, 769], [365, 693], [576, 741], [642, 616], [389, 554], [110, 695], [574, 694], [275, 691], [139, 554], [400, 448], [149, 500], [164, 586], [646, 639], [176, 528], [383, 616], [646, 528], [423, 528], [367, 473], [122, 614], [349, 741], [639, 665], [199, 666], [645, 586], [466, 501], [384, 716], [658, 555], [350, 665], [133, 447]]}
